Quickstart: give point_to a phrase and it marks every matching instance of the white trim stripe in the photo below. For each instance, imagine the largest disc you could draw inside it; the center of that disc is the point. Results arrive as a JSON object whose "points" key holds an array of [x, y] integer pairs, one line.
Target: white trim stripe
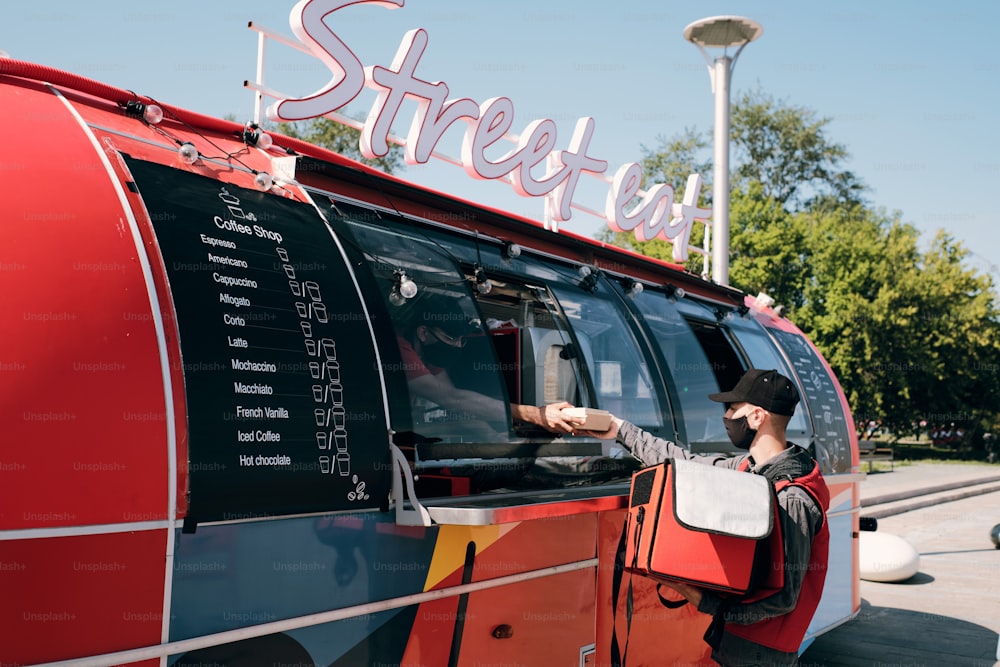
{"points": [[185, 645], [161, 344], [78, 531]]}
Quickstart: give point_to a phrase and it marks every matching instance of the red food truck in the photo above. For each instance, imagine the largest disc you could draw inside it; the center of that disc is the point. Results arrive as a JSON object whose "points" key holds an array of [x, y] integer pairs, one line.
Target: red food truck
{"points": [[211, 448]]}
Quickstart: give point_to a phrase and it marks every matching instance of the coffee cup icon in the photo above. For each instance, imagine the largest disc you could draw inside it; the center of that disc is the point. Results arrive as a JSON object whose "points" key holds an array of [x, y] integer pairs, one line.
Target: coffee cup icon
{"points": [[319, 310], [336, 393], [311, 288], [322, 441], [324, 464], [343, 464]]}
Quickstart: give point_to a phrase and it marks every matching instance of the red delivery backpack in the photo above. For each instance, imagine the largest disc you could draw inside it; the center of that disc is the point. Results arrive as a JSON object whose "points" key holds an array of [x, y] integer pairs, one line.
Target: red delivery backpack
{"points": [[704, 525]]}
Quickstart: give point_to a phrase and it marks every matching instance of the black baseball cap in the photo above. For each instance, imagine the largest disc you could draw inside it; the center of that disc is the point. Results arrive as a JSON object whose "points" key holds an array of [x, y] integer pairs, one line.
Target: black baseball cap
{"points": [[767, 389]]}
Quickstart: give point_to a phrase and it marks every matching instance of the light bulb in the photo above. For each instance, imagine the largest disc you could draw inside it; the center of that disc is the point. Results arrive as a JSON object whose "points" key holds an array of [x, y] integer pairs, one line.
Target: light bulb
{"points": [[511, 250], [588, 278], [152, 114], [395, 298], [263, 181], [407, 287], [264, 141], [483, 284], [635, 289], [674, 292], [187, 153]]}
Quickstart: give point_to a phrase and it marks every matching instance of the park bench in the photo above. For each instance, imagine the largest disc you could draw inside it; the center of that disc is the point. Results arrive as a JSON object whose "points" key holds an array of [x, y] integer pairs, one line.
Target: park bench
{"points": [[868, 450]]}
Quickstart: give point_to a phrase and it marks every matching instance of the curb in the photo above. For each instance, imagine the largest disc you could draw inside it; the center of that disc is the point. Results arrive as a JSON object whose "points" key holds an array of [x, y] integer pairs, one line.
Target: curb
{"points": [[913, 493], [982, 487]]}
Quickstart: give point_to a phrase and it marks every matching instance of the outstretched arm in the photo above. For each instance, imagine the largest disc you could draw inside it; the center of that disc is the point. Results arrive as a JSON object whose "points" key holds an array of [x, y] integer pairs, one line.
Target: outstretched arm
{"points": [[439, 389], [651, 450], [644, 446], [550, 417]]}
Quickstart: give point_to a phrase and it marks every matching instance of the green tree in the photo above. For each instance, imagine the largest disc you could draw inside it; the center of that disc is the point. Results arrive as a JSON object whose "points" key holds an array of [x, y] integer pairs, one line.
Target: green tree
{"points": [[911, 335], [959, 316], [768, 247], [785, 149], [782, 156], [861, 308]]}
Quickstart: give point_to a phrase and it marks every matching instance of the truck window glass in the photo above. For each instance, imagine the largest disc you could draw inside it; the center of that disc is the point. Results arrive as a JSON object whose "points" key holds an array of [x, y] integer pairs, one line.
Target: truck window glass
{"points": [[763, 353], [455, 393], [684, 344], [534, 346], [619, 373], [543, 362], [517, 345]]}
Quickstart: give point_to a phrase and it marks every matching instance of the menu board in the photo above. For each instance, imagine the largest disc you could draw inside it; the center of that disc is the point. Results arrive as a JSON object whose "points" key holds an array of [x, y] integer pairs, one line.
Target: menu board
{"points": [[832, 440], [284, 406]]}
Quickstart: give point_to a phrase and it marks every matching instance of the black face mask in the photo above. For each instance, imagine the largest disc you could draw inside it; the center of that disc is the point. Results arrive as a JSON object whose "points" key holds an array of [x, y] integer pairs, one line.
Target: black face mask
{"points": [[438, 354], [740, 433]]}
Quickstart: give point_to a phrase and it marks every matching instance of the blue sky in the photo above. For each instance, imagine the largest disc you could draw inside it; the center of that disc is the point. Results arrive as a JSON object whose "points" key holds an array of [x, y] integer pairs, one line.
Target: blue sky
{"points": [[912, 89]]}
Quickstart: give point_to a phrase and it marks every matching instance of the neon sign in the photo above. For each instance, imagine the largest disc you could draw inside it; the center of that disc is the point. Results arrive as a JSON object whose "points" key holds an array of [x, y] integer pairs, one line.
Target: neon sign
{"points": [[535, 167]]}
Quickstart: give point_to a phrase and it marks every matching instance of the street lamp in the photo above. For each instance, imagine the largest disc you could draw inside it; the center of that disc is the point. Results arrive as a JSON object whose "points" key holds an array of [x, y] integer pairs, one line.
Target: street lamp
{"points": [[721, 32]]}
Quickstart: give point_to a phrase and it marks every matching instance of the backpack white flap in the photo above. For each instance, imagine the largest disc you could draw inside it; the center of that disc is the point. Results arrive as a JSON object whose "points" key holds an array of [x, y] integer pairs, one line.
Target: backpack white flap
{"points": [[724, 501]]}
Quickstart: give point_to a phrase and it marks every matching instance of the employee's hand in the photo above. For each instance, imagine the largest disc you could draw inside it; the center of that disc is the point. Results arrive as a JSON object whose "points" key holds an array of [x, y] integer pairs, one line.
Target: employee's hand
{"points": [[553, 418], [610, 434], [550, 417]]}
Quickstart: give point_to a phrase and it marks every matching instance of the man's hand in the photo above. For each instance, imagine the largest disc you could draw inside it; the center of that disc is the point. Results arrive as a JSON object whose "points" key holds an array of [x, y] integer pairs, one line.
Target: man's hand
{"points": [[610, 434], [691, 593]]}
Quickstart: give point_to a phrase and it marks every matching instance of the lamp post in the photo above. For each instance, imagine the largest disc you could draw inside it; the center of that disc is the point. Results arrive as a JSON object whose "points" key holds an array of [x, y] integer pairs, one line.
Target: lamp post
{"points": [[721, 32]]}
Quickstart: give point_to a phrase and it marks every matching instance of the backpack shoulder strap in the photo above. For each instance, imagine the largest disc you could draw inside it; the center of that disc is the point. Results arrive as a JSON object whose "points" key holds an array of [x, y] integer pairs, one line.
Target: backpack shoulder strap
{"points": [[789, 481]]}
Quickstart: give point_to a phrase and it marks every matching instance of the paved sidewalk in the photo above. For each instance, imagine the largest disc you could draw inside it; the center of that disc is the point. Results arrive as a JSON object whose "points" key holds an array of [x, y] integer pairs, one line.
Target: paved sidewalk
{"points": [[948, 614]]}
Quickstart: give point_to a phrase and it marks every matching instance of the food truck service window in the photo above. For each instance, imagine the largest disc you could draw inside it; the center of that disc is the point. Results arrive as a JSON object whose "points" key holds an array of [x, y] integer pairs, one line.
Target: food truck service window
{"points": [[692, 375], [455, 392], [607, 341], [535, 349]]}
